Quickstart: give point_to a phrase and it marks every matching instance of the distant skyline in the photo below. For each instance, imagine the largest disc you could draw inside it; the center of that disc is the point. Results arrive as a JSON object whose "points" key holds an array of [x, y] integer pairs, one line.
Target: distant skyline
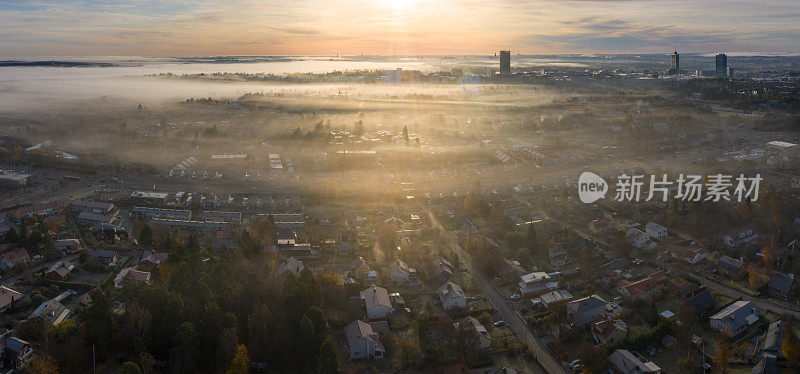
{"points": [[394, 27]]}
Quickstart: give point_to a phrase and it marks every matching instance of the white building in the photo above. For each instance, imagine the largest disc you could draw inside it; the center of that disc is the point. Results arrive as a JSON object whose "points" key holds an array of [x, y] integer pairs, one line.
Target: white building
{"points": [[362, 341], [452, 296], [377, 301], [655, 230]]}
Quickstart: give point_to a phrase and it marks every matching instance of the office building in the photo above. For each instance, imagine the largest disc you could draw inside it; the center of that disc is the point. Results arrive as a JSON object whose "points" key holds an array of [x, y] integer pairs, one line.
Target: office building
{"points": [[722, 65], [505, 62], [676, 63]]}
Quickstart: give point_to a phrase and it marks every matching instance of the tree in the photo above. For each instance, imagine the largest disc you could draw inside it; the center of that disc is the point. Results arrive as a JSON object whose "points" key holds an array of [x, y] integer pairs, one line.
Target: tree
{"points": [[146, 236], [790, 347], [43, 364], [328, 358], [485, 319], [131, 368], [724, 352], [241, 361], [405, 134], [753, 278]]}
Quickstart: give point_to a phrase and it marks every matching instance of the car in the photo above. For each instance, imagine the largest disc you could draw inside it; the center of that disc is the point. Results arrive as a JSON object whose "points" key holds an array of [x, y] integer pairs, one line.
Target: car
{"points": [[515, 296], [577, 369], [573, 363], [500, 323]]}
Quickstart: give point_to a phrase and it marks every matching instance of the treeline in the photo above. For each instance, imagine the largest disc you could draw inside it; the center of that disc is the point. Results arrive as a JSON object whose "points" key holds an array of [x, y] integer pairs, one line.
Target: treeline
{"points": [[205, 314]]}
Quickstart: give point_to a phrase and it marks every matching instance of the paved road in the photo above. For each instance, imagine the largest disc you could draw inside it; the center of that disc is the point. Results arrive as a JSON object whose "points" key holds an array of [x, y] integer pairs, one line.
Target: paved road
{"points": [[509, 315]]}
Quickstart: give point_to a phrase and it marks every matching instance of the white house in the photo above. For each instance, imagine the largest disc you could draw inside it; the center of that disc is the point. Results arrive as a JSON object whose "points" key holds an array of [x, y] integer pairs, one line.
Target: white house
{"points": [[136, 276], [688, 255], [735, 318], [362, 341], [292, 265], [452, 296], [377, 301], [639, 239], [401, 273], [655, 230]]}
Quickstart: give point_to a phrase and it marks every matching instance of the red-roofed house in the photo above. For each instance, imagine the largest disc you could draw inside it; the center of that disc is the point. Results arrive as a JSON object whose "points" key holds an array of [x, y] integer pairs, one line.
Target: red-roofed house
{"points": [[688, 255], [640, 289], [7, 296], [608, 330], [14, 258]]}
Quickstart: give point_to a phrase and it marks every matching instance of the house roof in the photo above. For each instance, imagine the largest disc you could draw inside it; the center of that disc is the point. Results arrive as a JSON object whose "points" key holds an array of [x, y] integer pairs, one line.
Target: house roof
{"points": [[766, 366], [156, 257], [586, 304], [451, 290], [642, 286], [773, 339], [8, 295], [535, 277], [16, 256], [358, 330], [15, 344], [62, 268], [737, 314], [628, 363], [376, 296], [701, 302], [606, 327], [729, 264], [781, 282], [556, 296], [651, 226]]}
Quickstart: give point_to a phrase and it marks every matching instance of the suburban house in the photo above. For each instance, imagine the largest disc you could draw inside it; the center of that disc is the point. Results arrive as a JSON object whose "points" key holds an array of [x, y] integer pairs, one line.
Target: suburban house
{"points": [[362, 341], [347, 247], [401, 273], [16, 352], [614, 269], [773, 341], [96, 207], [103, 257], [535, 284], [53, 311], [742, 239], [136, 276], [14, 258], [586, 310], [509, 270], [686, 290], [483, 338], [623, 361], [731, 267], [639, 290], [7, 297], [60, 271], [285, 236], [782, 285], [153, 259], [67, 245], [639, 239], [655, 230], [291, 265], [360, 269], [599, 226], [557, 255], [608, 330], [735, 318], [688, 255], [442, 270], [701, 303], [553, 299], [452, 296], [377, 301], [97, 220]]}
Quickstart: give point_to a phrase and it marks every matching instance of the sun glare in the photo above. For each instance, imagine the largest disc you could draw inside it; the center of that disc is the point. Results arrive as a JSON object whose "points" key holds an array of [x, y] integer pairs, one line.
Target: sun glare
{"points": [[397, 4]]}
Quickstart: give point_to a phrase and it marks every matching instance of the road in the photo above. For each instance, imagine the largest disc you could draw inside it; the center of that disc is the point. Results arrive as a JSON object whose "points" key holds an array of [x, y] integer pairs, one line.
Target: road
{"points": [[509, 315]]}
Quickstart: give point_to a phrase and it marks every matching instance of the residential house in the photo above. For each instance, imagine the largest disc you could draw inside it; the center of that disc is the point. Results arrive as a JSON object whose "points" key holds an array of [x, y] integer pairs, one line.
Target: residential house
{"points": [[442, 270], [639, 290], [639, 239], [655, 231], [452, 296], [557, 255], [60, 271], [53, 311], [586, 310], [360, 270], [136, 276], [152, 259], [16, 352], [291, 265], [742, 239], [782, 286], [377, 302], [701, 303], [535, 284], [362, 341], [554, 299], [67, 246], [401, 273], [97, 220], [347, 247], [608, 330], [735, 318], [509, 270], [96, 207], [482, 336], [600, 226], [7, 297], [103, 257], [615, 269], [12, 259], [767, 365], [731, 267], [623, 361], [687, 290], [688, 255]]}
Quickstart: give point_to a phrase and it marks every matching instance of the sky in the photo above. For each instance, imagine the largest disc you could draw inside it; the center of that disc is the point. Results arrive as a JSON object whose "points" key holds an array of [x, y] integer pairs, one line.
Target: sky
{"points": [[393, 27]]}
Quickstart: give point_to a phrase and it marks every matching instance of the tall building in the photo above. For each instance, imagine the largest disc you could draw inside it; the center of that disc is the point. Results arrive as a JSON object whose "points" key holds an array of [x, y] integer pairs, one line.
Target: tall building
{"points": [[505, 62], [676, 62], [722, 65]]}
